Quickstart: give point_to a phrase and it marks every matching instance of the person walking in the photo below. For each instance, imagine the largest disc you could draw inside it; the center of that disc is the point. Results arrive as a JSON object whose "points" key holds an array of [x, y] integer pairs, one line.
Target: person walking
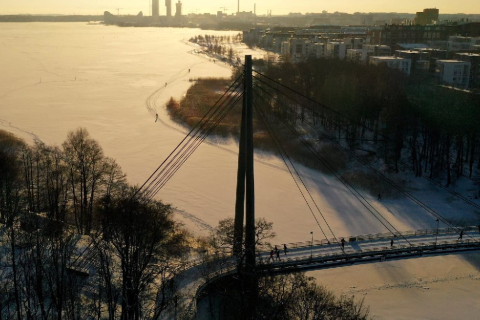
{"points": [[278, 256], [391, 243], [285, 249], [343, 243], [461, 235], [271, 255]]}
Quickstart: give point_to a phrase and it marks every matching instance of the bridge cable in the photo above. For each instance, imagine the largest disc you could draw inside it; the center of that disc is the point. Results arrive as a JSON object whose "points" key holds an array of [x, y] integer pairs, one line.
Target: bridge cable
{"points": [[282, 152], [193, 131], [193, 148], [142, 193], [193, 134], [186, 153], [347, 184], [411, 197], [312, 100], [181, 152]]}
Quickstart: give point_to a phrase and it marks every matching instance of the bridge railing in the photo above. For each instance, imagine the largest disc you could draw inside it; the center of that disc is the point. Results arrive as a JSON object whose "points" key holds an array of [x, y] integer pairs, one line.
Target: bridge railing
{"points": [[370, 237], [382, 250], [350, 255]]}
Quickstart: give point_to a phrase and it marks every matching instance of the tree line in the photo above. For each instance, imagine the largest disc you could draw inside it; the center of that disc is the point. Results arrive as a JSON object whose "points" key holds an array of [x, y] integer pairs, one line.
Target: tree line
{"points": [[412, 124], [74, 242], [217, 44], [78, 242]]}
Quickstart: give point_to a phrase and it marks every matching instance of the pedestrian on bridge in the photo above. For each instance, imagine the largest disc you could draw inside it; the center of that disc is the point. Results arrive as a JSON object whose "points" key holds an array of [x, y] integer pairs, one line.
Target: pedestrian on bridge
{"points": [[271, 255], [461, 235], [285, 248], [391, 242], [278, 255], [343, 243]]}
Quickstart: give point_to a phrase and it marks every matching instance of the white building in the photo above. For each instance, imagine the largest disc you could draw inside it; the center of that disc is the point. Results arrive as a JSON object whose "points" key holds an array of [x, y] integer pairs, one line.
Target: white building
{"points": [[316, 50], [457, 43], [375, 51], [354, 43], [354, 54], [299, 49], [401, 64], [453, 72], [336, 50]]}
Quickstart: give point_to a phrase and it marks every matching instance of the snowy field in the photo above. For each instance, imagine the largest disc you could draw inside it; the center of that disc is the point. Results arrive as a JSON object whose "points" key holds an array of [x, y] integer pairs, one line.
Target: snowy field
{"points": [[57, 77]]}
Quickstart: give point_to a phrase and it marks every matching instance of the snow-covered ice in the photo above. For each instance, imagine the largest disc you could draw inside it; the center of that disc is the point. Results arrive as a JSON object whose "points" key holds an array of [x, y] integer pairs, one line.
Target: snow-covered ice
{"points": [[57, 77]]}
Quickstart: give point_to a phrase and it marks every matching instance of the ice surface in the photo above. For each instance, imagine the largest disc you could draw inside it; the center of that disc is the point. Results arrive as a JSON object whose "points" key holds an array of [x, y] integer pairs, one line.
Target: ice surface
{"points": [[57, 77]]}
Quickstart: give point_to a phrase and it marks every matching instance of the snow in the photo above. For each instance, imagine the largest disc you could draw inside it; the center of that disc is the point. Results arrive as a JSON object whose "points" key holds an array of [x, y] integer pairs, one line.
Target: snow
{"points": [[57, 77], [441, 287]]}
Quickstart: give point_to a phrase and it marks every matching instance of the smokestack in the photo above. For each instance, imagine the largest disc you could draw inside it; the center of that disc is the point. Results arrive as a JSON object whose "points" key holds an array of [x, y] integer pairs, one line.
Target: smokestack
{"points": [[168, 4], [155, 8]]}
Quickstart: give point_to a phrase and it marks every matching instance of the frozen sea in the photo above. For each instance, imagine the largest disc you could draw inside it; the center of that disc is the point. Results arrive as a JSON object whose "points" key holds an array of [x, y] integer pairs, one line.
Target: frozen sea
{"points": [[57, 77]]}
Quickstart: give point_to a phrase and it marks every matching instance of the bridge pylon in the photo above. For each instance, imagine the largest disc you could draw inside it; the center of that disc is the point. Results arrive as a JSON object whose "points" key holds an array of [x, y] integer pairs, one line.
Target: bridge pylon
{"points": [[245, 196]]}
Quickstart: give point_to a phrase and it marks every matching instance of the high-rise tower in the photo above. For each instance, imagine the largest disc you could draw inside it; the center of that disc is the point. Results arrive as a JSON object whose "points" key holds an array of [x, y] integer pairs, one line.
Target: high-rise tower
{"points": [[168, 4], [178, 12], [155, 8]]}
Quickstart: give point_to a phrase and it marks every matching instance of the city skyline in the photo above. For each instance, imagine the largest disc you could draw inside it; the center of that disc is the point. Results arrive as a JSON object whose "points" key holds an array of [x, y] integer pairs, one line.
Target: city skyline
{"points": [[278, 7]]}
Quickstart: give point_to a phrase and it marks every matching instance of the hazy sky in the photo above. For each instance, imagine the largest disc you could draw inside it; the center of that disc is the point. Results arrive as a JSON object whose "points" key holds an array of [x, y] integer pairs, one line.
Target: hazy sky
{"points": [[277, 6]]}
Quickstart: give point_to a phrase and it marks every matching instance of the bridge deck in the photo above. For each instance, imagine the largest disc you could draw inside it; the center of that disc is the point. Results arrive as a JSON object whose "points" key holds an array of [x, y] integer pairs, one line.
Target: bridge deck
{"points": [[359, 249], [380, 244]]}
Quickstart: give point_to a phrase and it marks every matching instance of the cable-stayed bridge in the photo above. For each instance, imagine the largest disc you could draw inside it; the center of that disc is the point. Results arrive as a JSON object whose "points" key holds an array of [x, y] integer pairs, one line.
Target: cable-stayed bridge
{"points": [[279, 109]]}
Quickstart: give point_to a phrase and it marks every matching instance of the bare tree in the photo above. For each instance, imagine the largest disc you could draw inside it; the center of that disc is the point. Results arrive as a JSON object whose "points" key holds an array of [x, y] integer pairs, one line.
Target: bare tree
{"points": [[10, 202], [221, 240], [144, 240], [84, 156]]}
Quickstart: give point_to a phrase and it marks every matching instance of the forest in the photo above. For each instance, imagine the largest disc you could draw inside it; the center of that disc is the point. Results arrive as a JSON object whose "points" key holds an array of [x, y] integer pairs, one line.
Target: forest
{"points": [[412, 123], [74, 242]]}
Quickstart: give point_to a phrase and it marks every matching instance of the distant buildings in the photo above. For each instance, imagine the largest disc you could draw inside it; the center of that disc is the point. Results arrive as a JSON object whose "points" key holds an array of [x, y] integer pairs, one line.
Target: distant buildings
{"points": [[427, 17], [392, 34], [457, 43], [422, 50]]}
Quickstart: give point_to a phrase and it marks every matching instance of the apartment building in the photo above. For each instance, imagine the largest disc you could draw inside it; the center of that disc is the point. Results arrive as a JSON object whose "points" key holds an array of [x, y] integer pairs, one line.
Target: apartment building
{"points": [[401, 64], [453, 72], [474, 59]]}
